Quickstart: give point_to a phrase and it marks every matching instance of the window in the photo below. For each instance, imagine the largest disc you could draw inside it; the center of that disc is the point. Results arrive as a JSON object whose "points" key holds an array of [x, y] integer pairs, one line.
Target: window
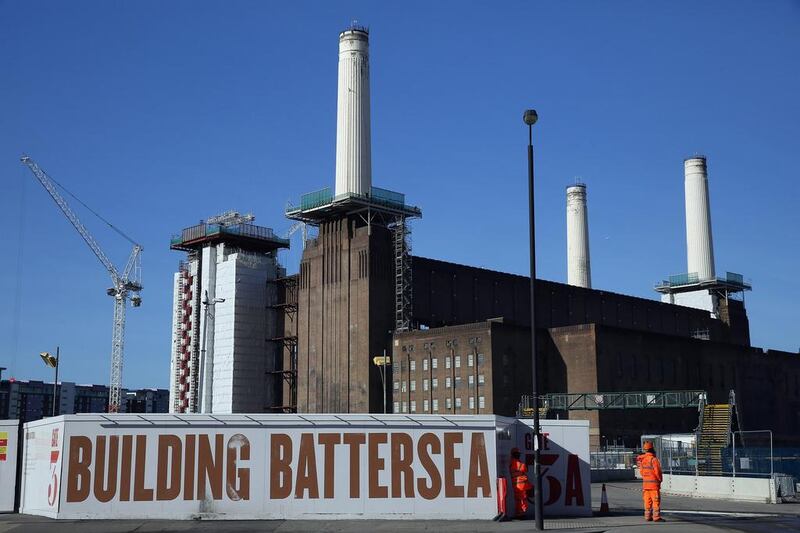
{"points": [[425, 405], [424, 384], [424, 364], [413, 365], [448, 403], [470, 360], [405, 386], [404, 407], [396, 385], [458, 361], [458, 403], [481, 402], [447, 362], [458, 382], [481, 380], [435, 404], [413, 385], [435, 363], [471, 381], [435, 383], [481, 358], [472, 402], [396, 407], [447, 383], [413, 406]]}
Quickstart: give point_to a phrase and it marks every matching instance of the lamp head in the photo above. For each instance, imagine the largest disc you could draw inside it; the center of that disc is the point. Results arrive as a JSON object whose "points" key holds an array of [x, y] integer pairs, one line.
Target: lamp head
{"points": [[530, 117]]}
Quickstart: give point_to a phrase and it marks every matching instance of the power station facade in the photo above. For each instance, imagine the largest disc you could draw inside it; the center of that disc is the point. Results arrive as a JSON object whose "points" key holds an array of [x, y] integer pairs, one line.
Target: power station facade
{"points": [[248, 338]]}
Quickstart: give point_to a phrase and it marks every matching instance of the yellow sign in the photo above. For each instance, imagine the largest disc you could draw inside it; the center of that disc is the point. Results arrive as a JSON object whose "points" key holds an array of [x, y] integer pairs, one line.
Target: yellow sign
{"points": [[382, 360]]}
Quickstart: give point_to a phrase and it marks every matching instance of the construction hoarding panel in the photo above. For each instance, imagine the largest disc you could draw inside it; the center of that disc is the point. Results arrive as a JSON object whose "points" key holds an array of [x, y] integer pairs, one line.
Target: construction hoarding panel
{"points": [[40, 484], [565, 469], [8, 463], [263, 466]]}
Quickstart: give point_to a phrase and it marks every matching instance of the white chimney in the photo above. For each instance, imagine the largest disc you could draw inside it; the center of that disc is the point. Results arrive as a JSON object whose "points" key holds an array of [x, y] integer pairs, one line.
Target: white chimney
{"points": [[579, 271], [353, 148], [699, 244]]}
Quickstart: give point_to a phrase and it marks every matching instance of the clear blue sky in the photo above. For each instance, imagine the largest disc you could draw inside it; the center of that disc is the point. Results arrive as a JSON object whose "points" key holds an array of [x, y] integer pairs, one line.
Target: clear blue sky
{"points": [[159, 114]]}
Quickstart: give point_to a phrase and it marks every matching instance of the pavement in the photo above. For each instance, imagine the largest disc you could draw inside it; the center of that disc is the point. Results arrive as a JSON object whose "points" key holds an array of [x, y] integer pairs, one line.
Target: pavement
{"points": [[681, 513]]}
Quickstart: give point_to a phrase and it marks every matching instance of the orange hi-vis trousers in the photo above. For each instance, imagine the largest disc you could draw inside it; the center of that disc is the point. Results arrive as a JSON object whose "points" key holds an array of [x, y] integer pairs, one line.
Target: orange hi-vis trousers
{"points": [[652, 504]]}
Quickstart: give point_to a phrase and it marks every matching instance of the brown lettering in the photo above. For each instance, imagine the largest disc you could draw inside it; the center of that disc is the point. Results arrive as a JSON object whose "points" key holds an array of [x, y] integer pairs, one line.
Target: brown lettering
{"points": [[478, 468], [241, 490], [425, 441], [329, 441], [125, 469], [376, 464], [402, 457], [451, 464], [170, 450], [105, 493], [78, 476], [189, 468], [140, 493], [574, 492], [307, 468], [209, 466], [355, 441], [280, 469]]}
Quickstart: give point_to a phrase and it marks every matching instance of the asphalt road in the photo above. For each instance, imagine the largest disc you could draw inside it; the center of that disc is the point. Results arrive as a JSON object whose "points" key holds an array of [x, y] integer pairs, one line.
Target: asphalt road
{"points": [[682, 514]]}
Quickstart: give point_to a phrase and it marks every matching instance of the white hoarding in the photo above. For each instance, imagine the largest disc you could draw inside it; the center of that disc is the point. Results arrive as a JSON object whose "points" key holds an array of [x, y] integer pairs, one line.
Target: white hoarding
{"points": [[263, 466], [8, 464], [565, 469], [40, 485]]}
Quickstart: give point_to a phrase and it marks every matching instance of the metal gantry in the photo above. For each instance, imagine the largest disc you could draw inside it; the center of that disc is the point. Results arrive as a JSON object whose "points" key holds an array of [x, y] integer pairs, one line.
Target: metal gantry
{"points": [[125, 286], [595, 401]]}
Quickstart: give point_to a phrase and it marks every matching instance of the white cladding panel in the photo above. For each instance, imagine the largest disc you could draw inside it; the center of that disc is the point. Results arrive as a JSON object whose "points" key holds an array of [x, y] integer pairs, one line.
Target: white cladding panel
{"points": [[353, 148], [41, 483], [579, 270], [8, 463], [699, 243]]}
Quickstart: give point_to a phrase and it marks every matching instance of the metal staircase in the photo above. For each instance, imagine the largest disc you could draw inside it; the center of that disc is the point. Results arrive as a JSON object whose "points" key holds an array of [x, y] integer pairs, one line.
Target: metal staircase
{"points": [[713, 438]]}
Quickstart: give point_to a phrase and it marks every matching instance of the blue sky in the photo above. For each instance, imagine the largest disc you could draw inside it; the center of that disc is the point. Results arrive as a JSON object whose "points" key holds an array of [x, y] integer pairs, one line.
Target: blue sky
{"points": [[158, 114]]}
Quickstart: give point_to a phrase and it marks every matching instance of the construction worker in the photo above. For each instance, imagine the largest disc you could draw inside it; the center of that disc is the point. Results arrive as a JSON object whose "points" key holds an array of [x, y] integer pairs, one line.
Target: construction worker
{"points": [[650, 468], [519, 481]]}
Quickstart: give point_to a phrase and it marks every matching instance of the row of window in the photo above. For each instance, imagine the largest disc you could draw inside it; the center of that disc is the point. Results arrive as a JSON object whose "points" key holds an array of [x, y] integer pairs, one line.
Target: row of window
{"points": [[404, 386], [411, 407], [434, 362]]}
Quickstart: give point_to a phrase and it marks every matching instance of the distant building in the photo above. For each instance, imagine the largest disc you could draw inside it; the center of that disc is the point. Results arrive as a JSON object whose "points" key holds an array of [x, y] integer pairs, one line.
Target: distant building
{"points": [[33, 400]]}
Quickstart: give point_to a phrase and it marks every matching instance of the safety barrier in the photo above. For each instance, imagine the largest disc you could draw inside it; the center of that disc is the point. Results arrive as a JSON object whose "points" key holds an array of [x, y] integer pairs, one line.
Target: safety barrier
{"points": [[9, 431], [722, 488]]}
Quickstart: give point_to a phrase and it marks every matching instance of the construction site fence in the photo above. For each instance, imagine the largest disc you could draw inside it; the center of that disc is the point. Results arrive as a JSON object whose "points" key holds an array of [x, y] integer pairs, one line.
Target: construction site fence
{"points": [[613, 458], [748, 454]]}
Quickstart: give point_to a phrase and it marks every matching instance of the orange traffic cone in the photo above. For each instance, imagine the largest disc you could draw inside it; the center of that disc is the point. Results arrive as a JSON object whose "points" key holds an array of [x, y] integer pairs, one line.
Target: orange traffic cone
{"points": [[604, 501]]}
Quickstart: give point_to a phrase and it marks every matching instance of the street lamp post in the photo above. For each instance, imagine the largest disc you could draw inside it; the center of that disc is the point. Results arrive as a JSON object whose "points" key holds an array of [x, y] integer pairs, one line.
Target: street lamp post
{"points": [[52, 362], [382, 362], [207, 366], [530, 117]]}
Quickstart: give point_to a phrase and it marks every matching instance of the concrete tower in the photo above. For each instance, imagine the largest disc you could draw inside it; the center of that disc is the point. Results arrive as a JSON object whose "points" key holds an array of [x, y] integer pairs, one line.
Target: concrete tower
{"points": [[353, 148], [699, 244], [579, 271]]}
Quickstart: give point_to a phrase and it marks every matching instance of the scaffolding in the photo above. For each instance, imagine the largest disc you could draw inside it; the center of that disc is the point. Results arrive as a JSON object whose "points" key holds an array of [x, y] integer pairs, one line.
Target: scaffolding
{"points": [[287, 288], [401, 234], [595, 401]]}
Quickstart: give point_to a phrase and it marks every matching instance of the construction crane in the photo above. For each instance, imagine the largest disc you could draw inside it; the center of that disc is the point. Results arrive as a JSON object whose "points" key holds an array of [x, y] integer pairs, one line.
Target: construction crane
{"points": [[125, 286], [294, 228]]}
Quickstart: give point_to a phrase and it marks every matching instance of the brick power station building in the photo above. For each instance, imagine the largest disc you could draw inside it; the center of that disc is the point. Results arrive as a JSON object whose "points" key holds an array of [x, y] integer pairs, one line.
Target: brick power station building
{"points": [[459, 336]]}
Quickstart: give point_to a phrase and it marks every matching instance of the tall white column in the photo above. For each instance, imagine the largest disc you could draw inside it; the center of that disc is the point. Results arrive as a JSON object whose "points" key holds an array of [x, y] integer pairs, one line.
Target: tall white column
{"points": [[579, 271], [699, 244], [353, 147]]}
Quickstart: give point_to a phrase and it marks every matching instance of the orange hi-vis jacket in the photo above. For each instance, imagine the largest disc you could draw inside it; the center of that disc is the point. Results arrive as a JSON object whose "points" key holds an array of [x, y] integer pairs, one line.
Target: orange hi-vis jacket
{"points": [[650, 467], [519, 473]]}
